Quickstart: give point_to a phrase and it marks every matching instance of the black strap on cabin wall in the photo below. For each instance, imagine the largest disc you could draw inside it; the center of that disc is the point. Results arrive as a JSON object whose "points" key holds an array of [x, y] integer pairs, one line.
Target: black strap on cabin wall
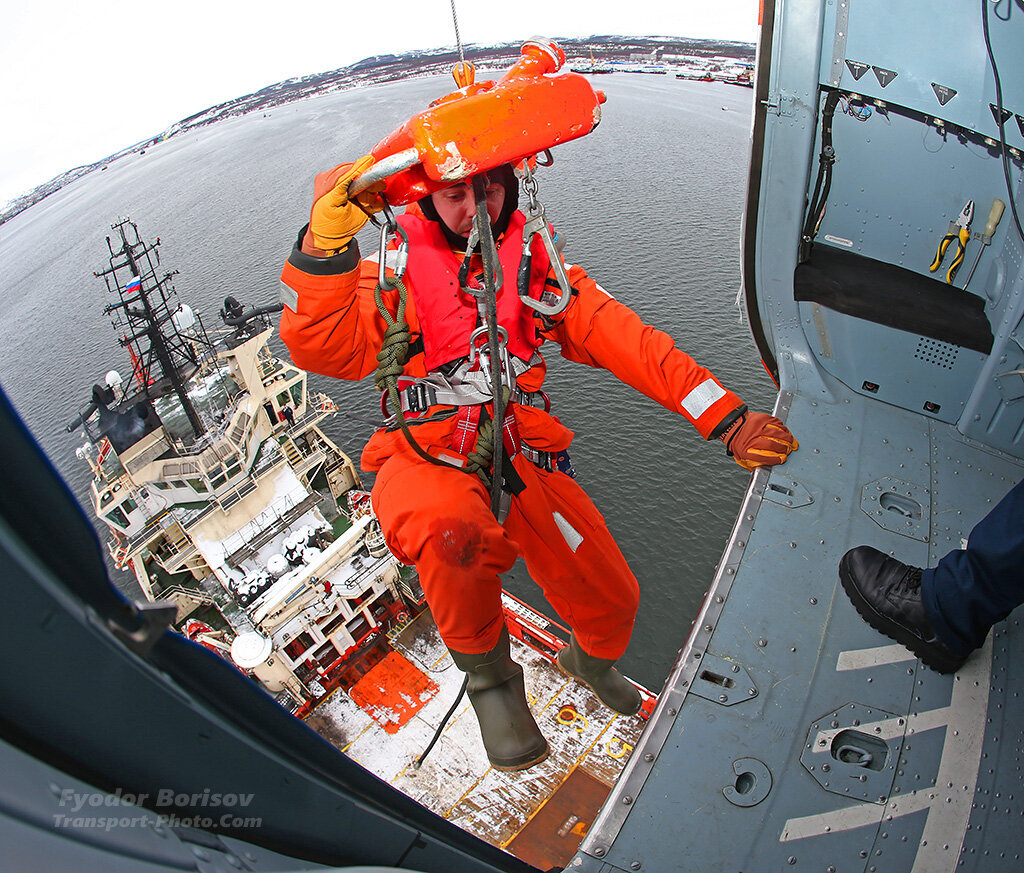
{"points": [[896, 297]]}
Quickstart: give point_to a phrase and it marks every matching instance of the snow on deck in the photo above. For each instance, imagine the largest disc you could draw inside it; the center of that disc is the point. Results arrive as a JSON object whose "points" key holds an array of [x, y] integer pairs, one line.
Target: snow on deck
{"points": [[456, 781], [218, 535]]}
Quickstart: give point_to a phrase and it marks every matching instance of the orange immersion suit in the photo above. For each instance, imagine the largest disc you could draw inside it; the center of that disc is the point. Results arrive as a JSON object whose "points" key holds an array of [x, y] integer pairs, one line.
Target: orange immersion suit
{"points": [[439, 518]]}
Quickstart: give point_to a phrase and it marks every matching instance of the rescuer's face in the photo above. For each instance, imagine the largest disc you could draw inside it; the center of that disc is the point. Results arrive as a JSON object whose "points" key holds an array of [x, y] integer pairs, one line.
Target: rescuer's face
{"points": [[456, 207]]}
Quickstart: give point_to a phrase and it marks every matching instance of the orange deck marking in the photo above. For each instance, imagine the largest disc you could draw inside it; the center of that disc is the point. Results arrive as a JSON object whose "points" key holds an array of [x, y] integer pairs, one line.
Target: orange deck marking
{"points": [[393, 692]]}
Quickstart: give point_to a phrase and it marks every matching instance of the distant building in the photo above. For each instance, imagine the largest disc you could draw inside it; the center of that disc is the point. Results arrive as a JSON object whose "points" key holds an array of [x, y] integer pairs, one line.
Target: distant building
{"points": [[651, 57], [689, 60]]}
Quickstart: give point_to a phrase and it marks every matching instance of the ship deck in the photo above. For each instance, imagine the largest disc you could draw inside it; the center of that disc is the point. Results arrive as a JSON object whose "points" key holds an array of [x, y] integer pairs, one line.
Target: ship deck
{"points": [[541, 814]]}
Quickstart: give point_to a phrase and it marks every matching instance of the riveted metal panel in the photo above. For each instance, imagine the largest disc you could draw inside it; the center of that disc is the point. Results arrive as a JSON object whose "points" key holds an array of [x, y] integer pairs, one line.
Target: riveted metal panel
{"points": [[898, 506]]}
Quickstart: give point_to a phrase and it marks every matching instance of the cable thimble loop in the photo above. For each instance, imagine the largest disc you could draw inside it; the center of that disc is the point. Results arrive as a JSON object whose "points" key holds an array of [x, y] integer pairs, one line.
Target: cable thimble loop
{"points": [[475, 240]]}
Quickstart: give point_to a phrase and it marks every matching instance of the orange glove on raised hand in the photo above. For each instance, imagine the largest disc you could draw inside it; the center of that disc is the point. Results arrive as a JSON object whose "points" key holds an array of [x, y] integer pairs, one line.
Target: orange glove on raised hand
{"points": [[757, 439], [335, 219]]}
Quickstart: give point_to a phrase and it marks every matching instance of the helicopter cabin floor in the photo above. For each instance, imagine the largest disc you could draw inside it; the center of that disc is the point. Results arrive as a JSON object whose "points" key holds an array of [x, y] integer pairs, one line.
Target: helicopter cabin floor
{"points": [[541, 814], [824, 743]]}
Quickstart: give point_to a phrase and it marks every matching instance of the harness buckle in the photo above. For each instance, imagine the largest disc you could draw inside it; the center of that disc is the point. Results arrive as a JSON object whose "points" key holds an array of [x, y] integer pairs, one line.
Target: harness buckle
{"points": [[420, 397], [417, 397], [551, 462]]}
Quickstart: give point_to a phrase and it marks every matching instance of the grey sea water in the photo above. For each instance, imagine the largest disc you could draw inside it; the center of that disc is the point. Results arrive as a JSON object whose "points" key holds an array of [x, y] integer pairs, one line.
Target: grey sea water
{"points": [[650, 203]]}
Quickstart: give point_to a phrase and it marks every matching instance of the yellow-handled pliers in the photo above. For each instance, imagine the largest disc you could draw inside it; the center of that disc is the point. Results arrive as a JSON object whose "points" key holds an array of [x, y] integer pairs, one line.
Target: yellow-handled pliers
{"points": [[959, 230]]}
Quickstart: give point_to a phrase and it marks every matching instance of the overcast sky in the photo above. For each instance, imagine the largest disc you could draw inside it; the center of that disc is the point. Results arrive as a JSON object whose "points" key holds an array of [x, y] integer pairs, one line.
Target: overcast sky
{"points": [[79, 80]]}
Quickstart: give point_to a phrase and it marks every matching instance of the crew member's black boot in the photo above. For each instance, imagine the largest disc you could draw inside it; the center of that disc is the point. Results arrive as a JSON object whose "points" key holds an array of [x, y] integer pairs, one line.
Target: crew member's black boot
{"points": [[498, 694], [616, 692], [887, 593]]}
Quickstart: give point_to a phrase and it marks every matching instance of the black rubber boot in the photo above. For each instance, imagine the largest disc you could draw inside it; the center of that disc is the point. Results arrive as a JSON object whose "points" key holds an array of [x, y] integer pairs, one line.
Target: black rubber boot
{"points": [[616, 692], [498, 694], [887, 593]]}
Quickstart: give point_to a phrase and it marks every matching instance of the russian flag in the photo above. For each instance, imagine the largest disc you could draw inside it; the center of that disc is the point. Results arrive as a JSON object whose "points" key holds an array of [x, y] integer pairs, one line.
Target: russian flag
{"points": [[134, 284]]}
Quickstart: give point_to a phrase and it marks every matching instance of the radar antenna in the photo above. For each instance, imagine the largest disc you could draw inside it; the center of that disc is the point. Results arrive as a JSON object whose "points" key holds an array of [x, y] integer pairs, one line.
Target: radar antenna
{"points": [[165, 340]]}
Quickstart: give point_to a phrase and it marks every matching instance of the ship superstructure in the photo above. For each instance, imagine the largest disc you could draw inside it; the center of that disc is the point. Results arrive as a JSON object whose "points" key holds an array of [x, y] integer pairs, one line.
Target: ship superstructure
{"points": [[220, 490]]}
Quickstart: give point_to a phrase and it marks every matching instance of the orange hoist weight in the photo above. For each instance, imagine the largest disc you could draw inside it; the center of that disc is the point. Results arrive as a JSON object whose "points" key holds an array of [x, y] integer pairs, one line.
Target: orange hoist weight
{"points": [[536, 105]]}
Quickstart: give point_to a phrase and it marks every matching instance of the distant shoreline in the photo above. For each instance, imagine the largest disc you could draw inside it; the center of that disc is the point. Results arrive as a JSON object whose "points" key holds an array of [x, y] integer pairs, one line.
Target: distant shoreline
{"points": [[598, 53]]}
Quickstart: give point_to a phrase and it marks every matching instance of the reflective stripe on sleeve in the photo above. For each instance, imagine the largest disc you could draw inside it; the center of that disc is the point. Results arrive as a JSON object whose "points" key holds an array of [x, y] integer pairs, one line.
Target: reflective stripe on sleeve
{"points": [[701, 398]]}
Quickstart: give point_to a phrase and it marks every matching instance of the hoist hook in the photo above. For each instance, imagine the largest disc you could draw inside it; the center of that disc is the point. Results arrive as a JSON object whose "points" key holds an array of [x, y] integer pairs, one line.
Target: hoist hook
{"points": [[536, 223]]}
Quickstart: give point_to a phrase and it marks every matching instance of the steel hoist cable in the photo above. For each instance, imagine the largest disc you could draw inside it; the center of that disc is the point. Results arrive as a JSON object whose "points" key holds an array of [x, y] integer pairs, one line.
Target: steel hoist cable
{"points": [[489, 256], [458, 39]]}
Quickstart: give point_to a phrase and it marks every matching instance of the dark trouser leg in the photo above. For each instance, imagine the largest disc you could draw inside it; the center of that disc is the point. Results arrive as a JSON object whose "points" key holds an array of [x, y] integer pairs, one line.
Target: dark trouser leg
{"points": [[971, 589]]}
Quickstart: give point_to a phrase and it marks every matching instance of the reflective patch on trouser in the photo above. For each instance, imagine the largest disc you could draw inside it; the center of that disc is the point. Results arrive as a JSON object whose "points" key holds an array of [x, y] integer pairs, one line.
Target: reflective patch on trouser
{"points": [[439, 519], [701, 398], [573, 537], [289, 297]]}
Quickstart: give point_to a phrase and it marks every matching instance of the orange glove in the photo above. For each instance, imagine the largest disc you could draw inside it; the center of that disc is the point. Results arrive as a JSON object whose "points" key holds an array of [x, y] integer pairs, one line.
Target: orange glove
{"points": [[757, 439], [335, 219]]}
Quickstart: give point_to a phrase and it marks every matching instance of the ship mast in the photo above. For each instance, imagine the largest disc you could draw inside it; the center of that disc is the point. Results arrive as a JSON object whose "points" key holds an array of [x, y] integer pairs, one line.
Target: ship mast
{"points": [[144, 319]]}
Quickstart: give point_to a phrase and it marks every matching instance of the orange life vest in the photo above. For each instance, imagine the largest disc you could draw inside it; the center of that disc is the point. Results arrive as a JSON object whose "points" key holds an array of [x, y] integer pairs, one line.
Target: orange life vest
{"points": [[447, 315]]}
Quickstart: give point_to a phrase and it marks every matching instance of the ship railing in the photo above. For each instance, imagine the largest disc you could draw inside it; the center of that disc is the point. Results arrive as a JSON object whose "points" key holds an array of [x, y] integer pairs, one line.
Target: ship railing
{"points": [[171, 549], [192, 593], [157, 526], [227, 497], [232, 494], [267, 461], [278, 522], [314, 458], [318, 407], [324, 404], [367, 577], [177, 547], [353, 587], [118, 549], [409, 585], [122, 550]]}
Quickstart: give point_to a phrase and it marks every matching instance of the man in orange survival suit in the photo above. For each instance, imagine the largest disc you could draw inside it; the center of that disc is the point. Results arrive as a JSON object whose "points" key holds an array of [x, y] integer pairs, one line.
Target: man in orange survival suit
{"points": [[437, 517]]}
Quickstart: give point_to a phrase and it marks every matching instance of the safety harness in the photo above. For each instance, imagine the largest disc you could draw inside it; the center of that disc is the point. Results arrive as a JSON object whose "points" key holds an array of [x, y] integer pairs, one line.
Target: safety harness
{"points": [[488, 372]]}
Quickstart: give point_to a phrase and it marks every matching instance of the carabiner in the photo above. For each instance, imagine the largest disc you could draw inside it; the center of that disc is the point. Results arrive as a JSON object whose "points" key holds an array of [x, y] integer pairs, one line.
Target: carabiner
{"points": [[482, 330], [390, 227], [505, 365], [536, 223]]}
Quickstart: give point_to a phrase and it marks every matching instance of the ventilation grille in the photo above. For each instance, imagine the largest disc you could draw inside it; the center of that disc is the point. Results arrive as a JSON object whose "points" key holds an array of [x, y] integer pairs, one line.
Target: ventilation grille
{"points": [[938, 353]]}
